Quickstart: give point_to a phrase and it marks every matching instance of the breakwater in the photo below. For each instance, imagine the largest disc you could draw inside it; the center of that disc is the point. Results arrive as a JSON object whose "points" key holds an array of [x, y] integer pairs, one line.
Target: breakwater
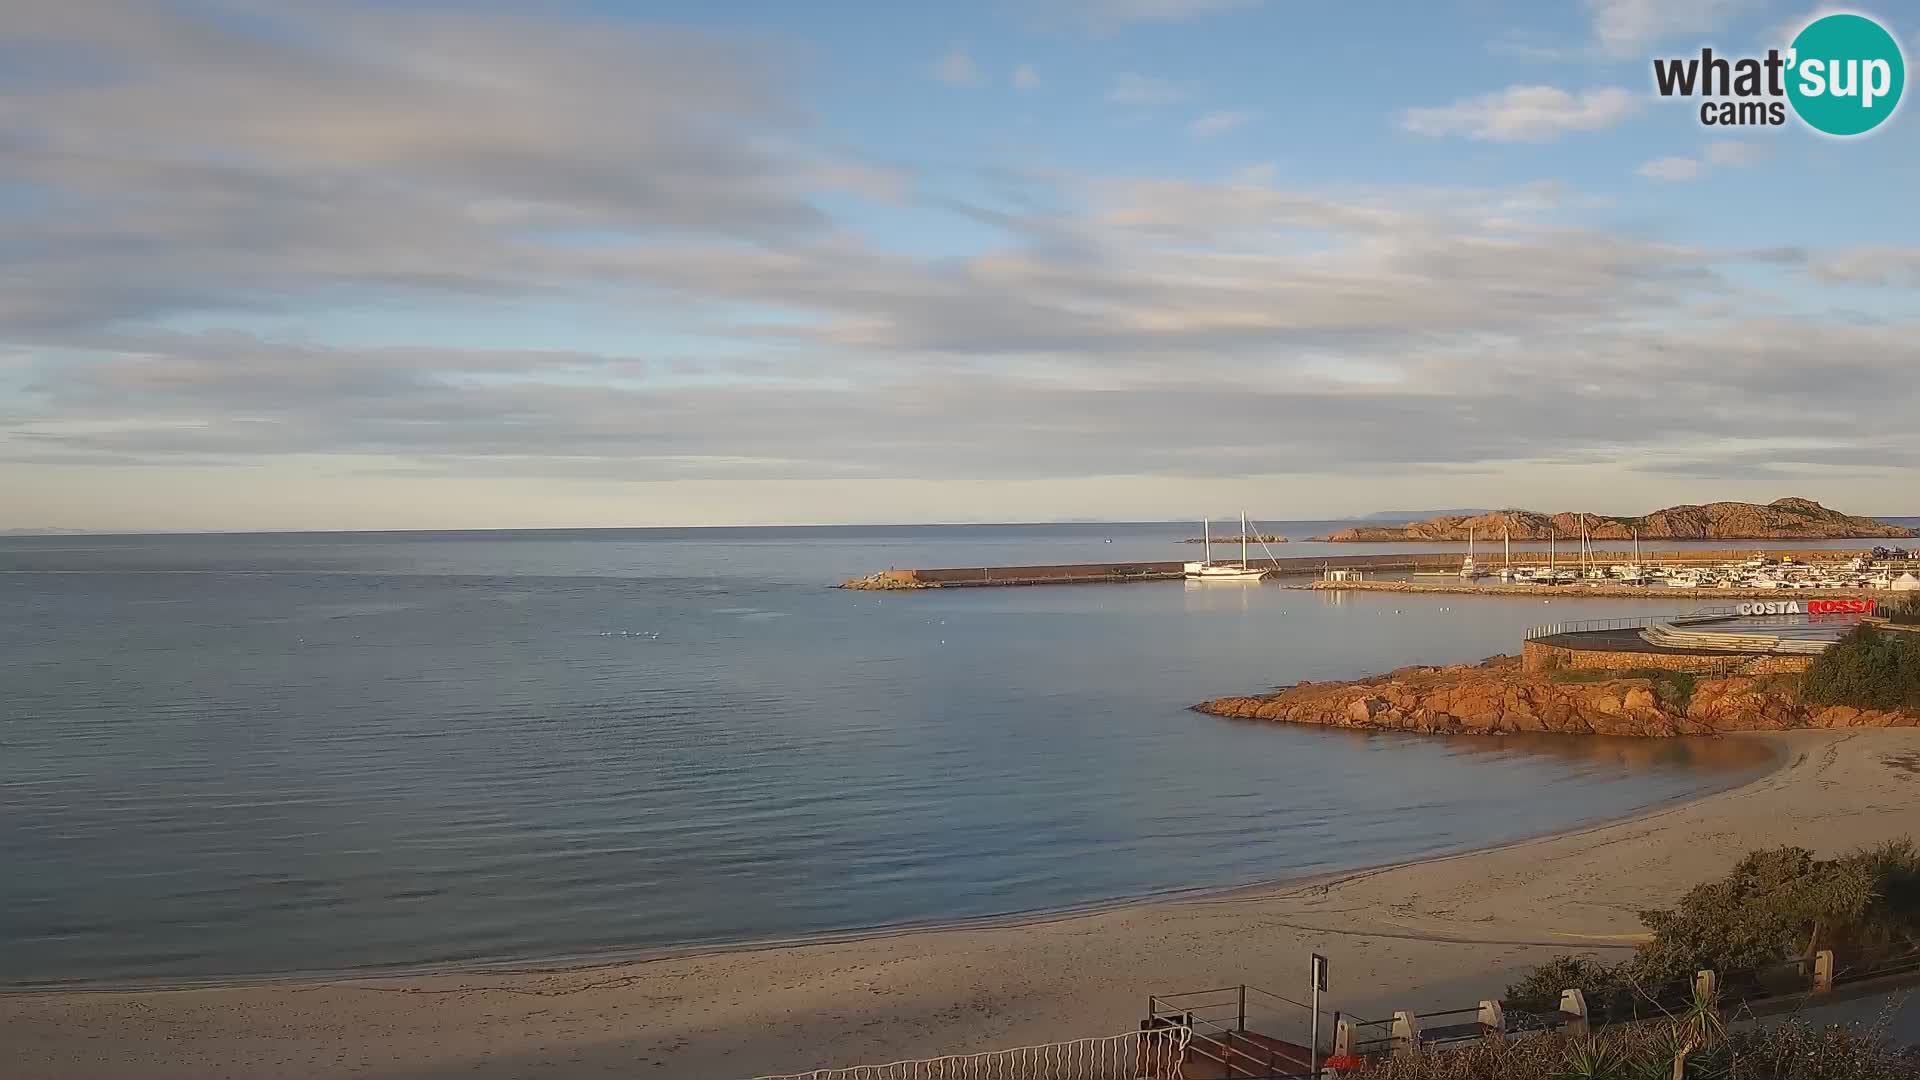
{"points": [[961, 577]]}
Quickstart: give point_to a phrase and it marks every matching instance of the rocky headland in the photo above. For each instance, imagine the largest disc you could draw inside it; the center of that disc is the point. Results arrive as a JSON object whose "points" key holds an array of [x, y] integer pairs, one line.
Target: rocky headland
{"points": [[1495, 697], [1782, 519]]}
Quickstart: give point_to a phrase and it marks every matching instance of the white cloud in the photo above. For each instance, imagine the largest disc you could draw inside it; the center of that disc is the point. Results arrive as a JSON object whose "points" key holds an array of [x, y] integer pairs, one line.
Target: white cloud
{"points": [[1890, 267], [1135, 89], [1629, 28], [1729, 152], [1725, 153], [1672, 168], [1786, 30], [1108, 326], [1025, 77], [1524, 114], [1116, 11], [957, 68], [1218, 123]]}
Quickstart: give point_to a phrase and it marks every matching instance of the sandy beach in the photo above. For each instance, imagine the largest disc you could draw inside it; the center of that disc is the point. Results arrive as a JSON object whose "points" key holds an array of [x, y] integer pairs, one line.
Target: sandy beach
{"points": [[1443, 931]]}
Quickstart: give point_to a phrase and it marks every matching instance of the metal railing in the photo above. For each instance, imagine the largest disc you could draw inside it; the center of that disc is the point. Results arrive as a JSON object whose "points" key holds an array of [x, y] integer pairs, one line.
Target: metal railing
{"points": [[1157, 1052], [1454, 1029], [1223, 1035], [1631, 622]]}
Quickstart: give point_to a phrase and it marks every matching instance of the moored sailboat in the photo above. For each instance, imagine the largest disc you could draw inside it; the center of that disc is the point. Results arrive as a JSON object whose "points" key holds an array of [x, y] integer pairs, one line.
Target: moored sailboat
{"points": [[1208, 570]]}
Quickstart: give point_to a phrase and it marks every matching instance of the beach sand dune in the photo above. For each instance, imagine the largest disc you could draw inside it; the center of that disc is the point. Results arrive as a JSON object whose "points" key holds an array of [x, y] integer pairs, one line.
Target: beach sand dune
{"points": [[1442, 932]]}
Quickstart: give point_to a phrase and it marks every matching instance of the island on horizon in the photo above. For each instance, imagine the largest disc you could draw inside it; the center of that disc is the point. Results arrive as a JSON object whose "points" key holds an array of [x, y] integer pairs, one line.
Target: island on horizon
{"points": [[1781, 519]]}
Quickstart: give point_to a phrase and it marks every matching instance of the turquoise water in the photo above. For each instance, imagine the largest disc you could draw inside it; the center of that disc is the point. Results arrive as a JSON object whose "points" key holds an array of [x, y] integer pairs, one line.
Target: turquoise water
{"points": [[234, 755]]}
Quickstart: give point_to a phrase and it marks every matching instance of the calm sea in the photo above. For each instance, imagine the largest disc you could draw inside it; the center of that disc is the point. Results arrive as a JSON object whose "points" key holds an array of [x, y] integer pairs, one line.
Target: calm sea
{"points": [[232, 755]]}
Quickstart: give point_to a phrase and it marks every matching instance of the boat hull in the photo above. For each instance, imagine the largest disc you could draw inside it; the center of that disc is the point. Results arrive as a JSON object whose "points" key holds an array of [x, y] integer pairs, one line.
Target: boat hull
{"points": [[1214, 572]]}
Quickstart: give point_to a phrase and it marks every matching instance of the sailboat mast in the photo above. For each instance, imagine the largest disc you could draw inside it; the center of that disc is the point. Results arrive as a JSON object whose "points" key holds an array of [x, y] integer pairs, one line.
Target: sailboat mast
{"points": [[1506, 539], [1636, 547], [1206, 539], [1243, 539]]}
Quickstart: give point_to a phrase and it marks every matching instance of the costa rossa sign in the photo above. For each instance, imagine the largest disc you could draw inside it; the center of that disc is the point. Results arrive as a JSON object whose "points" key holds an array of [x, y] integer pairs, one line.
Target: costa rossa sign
{"points": [[1813, 607]]}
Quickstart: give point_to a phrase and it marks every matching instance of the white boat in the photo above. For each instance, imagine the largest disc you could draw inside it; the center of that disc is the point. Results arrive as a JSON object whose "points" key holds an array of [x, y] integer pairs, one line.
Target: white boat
{"points": [[1208, 570], [1467, 569], [1632, 573]]}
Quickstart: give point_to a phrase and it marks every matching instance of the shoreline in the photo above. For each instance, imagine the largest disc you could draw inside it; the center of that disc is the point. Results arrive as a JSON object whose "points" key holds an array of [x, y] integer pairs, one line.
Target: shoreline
{"points": [[1434, 932], [1011, 920]]}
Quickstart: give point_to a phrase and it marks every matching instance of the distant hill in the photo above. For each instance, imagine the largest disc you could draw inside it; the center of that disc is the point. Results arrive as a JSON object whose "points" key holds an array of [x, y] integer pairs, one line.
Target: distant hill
{"points": [[1782, 519], [1420, 515]]}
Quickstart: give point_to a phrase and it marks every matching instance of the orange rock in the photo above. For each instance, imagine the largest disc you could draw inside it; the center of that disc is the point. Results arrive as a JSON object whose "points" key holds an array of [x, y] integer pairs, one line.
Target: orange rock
{"points": [[1497, 696]]}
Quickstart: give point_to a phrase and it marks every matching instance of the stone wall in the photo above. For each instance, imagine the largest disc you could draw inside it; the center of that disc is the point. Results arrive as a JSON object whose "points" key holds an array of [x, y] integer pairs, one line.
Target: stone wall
{"points": [[1538, 656]]}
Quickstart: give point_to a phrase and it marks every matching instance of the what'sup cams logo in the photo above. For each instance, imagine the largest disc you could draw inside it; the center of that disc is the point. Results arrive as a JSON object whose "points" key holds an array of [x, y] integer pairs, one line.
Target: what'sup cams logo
{"points": [[1842, 76]]}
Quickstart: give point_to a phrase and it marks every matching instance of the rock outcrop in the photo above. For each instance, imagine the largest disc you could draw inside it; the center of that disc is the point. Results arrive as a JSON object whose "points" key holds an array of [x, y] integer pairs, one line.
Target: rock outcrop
{"points": [[886, 581], [1782, 519], [1496, 697]]}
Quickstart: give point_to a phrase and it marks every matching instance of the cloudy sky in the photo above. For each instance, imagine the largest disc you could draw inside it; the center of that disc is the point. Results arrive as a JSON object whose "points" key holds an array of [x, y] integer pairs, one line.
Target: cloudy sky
{"points": [[450, 264]]}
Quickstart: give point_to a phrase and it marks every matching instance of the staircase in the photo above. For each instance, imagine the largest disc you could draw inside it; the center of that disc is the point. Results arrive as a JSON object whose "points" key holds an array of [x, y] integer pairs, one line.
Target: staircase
{"points": [[1224, 1044], [1242, 1055]]}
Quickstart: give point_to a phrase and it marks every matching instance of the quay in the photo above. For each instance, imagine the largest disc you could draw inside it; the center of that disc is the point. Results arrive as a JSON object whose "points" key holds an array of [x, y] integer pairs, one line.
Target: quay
{"points": [[1428, 562]]}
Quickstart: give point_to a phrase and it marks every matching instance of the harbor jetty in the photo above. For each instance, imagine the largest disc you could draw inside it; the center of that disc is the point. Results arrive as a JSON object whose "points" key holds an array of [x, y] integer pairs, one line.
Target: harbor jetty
{"points": [[962, 577], [1422, 562]]}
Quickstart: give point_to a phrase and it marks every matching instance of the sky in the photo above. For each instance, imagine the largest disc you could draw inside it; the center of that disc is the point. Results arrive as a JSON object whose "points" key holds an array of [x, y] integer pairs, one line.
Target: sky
{"points": [[445, 264]]}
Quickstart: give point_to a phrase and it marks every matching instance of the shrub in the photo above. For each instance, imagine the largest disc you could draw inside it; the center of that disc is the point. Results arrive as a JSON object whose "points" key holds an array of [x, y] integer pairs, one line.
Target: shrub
{"points": [[1776, 906], [1785, 1051], [1903, 611], [1539, 990], [1675, 688], [1868, 669]]}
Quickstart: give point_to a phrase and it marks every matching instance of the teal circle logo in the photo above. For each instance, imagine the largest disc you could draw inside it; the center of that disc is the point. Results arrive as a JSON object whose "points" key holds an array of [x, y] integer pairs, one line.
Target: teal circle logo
{"points": [[1846, 74]]}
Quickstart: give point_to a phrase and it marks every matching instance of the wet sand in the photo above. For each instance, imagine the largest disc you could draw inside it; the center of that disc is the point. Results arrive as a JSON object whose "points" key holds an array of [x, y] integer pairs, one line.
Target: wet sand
{"points": [[1440, 932]]}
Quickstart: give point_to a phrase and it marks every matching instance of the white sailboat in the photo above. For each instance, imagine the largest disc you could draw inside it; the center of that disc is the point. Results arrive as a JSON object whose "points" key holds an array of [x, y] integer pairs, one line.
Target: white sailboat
{"points": [[1208, 570], [1467, 568]]}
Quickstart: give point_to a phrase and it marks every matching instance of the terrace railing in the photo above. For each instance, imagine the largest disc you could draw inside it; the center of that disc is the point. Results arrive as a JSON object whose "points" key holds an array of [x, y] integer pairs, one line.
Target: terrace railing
{"points": [[1631, 622]]}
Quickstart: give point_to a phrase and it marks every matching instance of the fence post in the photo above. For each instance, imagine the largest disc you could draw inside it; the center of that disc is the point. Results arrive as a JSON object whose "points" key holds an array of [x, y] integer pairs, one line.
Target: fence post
{"points": [[1342, 1036], [1406, 1033], [1823, 971], [1242, 1023], [1493, 1017], [1573, 1009]]}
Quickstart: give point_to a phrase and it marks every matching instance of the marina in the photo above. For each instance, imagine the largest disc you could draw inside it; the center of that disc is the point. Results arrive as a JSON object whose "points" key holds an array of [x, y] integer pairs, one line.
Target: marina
{"points": [[1714, 572]]}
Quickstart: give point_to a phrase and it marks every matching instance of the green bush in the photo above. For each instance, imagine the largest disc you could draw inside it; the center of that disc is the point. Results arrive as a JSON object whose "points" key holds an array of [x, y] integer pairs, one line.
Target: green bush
{"points": [[1776, 906], [1868, 669], [1539, 990], [1785, 1051], [1675, 688], [1903, 611]]}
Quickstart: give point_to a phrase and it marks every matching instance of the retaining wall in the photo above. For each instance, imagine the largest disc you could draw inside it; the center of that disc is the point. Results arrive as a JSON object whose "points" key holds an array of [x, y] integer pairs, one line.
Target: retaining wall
{"points": [[1539, 656]]}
